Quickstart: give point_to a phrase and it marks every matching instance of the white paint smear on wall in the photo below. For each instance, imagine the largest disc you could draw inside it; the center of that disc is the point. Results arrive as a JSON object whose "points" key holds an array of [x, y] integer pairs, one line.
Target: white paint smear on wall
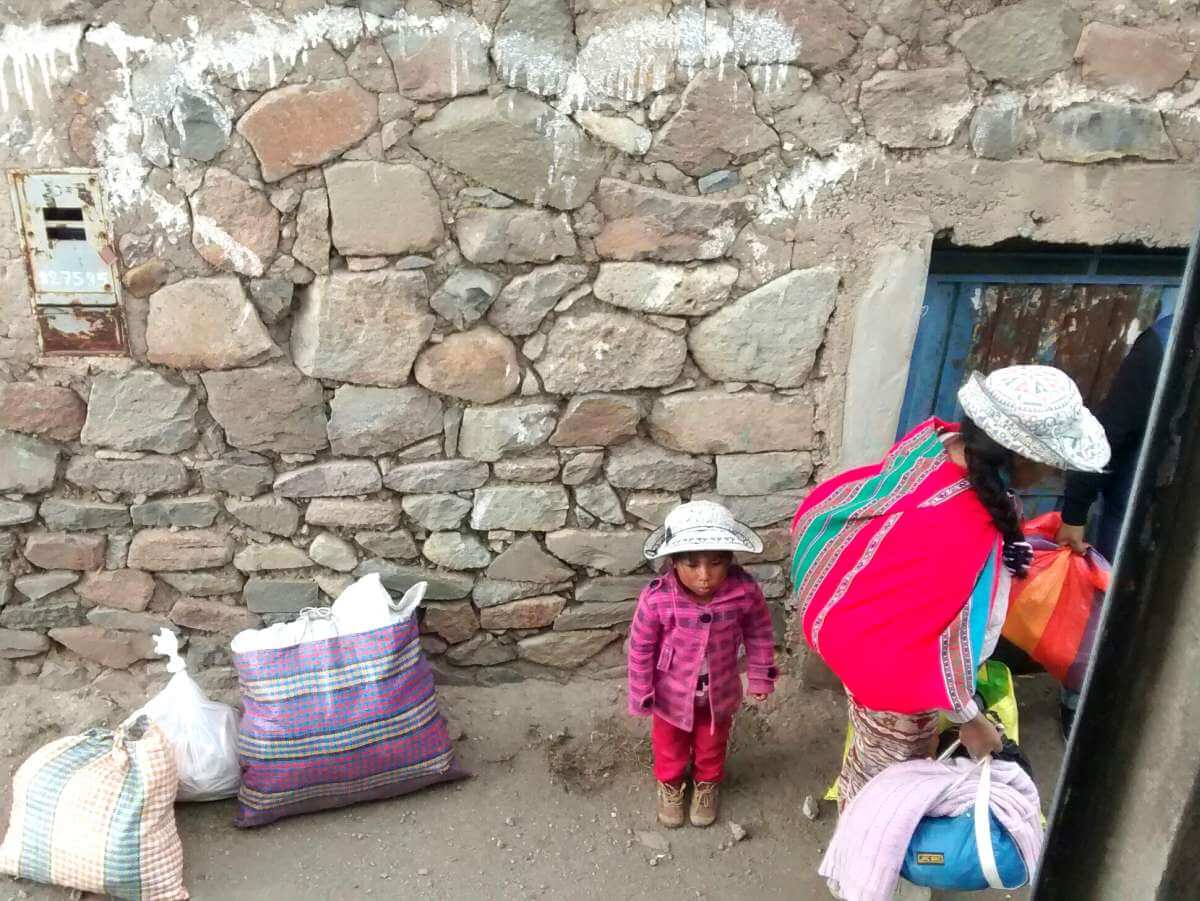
{"points": [[33, 53]]}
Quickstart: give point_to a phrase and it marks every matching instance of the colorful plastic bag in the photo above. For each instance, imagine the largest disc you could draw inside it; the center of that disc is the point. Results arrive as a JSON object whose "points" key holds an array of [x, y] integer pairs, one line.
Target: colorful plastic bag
{"points": [[96, 812], [1054, 610], [202, 732]]}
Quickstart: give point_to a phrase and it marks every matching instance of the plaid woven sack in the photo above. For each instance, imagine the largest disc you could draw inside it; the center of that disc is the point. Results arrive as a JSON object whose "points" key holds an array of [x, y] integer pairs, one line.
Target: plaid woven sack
{"points": [[337, 721], [96, 812]]}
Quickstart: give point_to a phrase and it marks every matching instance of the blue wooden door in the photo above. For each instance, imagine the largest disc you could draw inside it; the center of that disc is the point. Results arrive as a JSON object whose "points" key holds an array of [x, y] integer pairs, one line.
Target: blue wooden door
{"points": [[1084, 326]]}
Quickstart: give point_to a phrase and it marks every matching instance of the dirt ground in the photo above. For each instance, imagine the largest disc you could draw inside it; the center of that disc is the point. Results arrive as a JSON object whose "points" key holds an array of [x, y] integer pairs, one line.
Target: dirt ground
{"points": [[560, 805]]}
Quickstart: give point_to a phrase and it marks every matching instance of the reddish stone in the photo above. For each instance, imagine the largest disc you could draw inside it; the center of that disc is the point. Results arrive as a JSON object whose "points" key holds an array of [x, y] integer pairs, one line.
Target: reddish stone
{"points": [[161, 550], [299, 126], [36, 409], [597, 420], [455, 621], [1130, 59], [213, 616], [125, 589], [50, 550], [116, 650], [234, 227], [825, 32], [479, 365], [144, 280], [530, 613]]}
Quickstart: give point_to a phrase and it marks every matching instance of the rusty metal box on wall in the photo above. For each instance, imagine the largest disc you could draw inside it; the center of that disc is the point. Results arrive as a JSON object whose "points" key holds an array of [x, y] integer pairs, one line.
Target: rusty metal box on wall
{"points": [[71, 263]]}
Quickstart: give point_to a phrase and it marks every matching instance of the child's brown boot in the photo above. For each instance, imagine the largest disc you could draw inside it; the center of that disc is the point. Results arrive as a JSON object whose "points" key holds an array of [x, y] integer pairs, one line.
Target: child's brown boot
{"points": [[670, 804], [705, 803]]}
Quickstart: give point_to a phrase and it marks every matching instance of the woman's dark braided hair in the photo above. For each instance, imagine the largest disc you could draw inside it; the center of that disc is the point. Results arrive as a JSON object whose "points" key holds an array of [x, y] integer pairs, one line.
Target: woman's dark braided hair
{"points": [[989, 469]]}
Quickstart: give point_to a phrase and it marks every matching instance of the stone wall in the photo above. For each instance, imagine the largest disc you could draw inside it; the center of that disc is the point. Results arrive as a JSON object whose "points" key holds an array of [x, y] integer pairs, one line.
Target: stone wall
{"points": [[473, 293]]}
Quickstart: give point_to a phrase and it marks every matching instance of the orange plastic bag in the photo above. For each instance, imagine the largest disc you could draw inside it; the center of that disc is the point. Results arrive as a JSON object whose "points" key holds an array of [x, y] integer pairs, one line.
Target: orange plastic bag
{"points": [[1054, 610]]}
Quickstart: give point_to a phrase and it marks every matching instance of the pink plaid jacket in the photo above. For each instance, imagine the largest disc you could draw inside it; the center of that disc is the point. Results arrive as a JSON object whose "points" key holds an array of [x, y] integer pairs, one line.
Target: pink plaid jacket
{"points": [[672, 634]]}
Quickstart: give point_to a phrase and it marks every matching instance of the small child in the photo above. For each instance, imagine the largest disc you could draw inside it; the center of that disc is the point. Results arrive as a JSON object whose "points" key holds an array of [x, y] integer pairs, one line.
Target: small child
{"points": [[683, 652]]}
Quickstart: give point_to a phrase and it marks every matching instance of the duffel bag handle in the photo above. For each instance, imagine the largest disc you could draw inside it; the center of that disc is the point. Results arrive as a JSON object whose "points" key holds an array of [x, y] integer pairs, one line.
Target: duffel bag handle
{"points": [[983, 826]]}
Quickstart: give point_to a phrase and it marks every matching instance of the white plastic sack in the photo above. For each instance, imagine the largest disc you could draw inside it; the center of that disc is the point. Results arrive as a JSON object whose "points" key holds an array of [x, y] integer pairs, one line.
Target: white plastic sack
{"points": [[363, 606], [202, 732]]}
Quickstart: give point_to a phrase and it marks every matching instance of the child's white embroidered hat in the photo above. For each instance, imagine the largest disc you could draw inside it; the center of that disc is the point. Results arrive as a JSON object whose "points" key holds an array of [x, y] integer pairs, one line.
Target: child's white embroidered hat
{"points": [[700, 526]]}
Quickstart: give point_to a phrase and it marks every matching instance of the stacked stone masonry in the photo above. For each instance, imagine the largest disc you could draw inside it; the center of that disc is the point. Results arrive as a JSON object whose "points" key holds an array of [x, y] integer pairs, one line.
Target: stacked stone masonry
{"points": [[473, 293]]}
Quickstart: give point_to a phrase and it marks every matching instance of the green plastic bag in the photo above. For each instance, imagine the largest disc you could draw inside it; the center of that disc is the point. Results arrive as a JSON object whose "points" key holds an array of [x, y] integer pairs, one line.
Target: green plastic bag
{"points": [[994, 683]]}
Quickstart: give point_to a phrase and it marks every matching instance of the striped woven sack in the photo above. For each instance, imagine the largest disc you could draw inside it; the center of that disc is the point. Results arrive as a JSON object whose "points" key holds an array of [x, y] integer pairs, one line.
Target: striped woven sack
{"points": [[96, 812], [337, 721]]}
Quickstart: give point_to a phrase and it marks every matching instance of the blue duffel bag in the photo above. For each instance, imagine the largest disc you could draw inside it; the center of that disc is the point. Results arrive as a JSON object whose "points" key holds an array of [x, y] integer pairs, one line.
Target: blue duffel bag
{"points": [[969, 852]]}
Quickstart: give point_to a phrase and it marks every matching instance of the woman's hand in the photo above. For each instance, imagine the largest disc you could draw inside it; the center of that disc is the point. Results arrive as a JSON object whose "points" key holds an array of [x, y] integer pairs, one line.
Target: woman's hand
{"points": [[980, 737], [1072, 537]]}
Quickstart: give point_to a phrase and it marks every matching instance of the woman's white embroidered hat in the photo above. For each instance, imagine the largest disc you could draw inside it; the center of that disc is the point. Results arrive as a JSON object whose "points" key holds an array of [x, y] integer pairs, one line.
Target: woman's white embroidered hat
{"points": [[1037, 412], [700, 526]]}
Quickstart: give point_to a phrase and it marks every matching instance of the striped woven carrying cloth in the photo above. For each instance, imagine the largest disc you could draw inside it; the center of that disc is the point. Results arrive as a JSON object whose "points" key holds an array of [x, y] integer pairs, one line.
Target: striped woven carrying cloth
{"points": [[96, 812], [337, 721]]}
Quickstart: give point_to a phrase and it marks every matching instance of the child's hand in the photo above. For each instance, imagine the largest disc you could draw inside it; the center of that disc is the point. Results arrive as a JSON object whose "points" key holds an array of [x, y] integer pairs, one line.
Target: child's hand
{"points": [[758, 699]]}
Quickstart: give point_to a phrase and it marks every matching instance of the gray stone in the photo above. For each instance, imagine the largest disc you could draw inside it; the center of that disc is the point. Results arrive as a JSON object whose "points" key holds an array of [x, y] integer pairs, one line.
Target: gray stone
{"points": [[436, 511], [1092, 132], [234, 226], [565, 649], [616, 553], [383, 209], [362, 327], [647, 223], [530, 613], [514, 236], [526, 300], [437, 475], [140, 410], [28, 465], [452, 550], [770, 579], [150, 475], [206, 584], [597, 421], [445, 58], [525, 561], [716, 126], [1023, 43], [313, 244], [333, 584], [750, 474], [814, 122], [350, 514], [651, 506], [197, 127], [8, 546], [398, 578], [333, 478], [758, 511], [715, 182], [280, 595], [115, 650], [277, 555], [127, 620], [234, 478], [206, 323], [998, 127], [521, 508], [369, 64], [272, 408], [39, 585], [197, 512], [664, 289], [161, 550], [390, 545], [482, 650], [583, 467], [533, 153], [117, 551], [534, 45], [610, 589], [543, 468], [641, 464], [619, 131], [479, 366], [489, 433], [16, 644], [625, 353], [268, 513], [595, 616], [429, 449], [272, 297], [15, 513], [465, 296], [370, 422], [333, 553], [825, 30], [920, 108], [716, 422], [601, 501], [54, 611], [491, 592]]}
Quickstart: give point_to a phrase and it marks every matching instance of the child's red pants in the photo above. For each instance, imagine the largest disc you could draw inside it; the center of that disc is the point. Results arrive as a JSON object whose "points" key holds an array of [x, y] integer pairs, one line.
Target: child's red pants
{"points": [[704, 747]]}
